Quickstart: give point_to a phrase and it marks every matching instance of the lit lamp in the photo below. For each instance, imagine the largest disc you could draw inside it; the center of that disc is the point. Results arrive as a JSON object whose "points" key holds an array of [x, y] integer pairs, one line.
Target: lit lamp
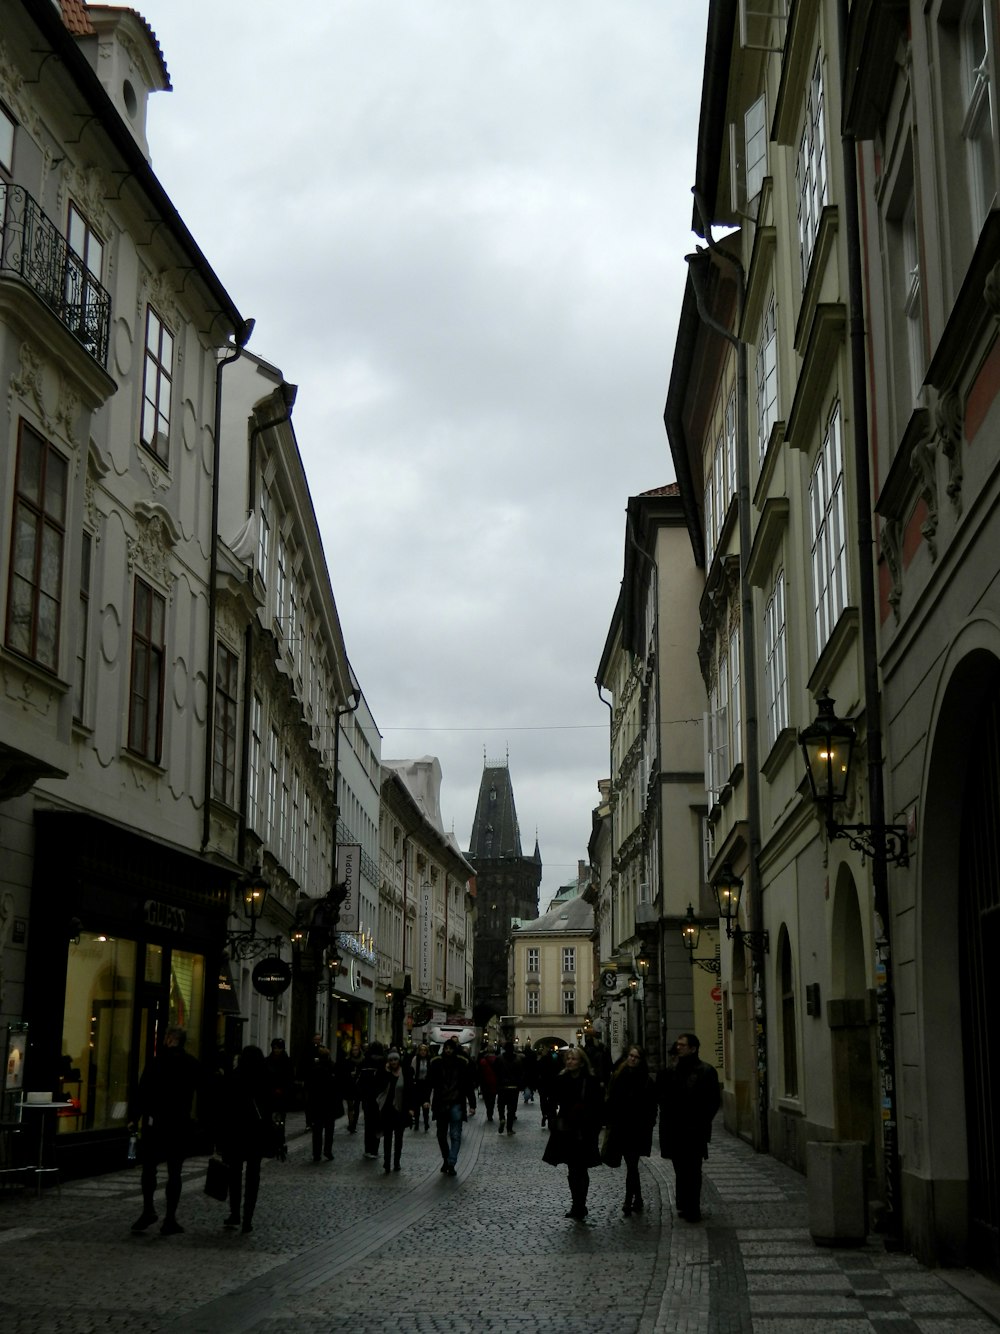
{"points": [[690, 935], [642, 962], [633, 982], [251, 893], [828, 746], [255, 890], [727, 888]]}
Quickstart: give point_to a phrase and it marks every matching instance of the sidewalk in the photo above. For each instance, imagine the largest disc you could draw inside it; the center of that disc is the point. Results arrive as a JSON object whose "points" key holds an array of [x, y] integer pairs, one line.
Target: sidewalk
{"points": [[344, 1245]]}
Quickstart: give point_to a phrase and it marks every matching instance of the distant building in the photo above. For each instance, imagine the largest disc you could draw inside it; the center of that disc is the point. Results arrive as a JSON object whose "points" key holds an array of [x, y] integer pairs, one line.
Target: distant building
{"points": [[552, 974], [507, 888]]}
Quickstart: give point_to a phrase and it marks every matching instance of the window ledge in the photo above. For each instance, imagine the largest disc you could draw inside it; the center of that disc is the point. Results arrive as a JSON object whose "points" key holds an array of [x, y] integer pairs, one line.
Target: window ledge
{"points": [[784, 745]]}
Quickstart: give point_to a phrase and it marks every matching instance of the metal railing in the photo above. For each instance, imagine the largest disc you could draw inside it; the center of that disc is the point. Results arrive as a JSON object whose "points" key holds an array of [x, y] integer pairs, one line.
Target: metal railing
{"points": [[33, 248]]}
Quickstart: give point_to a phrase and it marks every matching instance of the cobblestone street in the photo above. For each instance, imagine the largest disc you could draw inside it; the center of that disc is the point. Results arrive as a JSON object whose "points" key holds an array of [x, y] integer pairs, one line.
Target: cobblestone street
{"points": [[343, 1245]]}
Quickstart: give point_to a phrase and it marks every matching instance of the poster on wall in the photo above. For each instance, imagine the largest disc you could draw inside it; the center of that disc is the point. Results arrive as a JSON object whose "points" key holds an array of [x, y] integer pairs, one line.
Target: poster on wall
{"points": [[16, 1046]]}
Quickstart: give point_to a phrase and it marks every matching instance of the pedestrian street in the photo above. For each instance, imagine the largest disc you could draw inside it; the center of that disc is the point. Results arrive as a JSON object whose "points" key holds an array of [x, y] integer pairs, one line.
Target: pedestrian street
{"points": [[346, 1246]]}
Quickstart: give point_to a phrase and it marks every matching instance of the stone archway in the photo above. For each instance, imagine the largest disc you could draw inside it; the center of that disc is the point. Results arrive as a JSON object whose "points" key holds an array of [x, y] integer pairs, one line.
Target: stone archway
{"points": [[946, 1126], [852, 1027]]}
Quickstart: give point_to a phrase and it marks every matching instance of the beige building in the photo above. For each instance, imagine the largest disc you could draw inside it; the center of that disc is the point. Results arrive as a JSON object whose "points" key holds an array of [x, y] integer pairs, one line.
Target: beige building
{"points": [[552, 975]]}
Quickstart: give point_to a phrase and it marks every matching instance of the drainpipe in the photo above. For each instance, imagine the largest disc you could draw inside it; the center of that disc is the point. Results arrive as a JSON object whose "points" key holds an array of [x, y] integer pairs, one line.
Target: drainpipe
{"points": [[749, 639], [243, 337], [891, 1221]]}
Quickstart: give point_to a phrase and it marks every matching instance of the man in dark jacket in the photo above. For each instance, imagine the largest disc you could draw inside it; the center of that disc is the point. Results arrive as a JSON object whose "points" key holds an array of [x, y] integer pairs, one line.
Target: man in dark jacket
{"points": [[510, 1081], [166, 1094], [689, 1096], [452, 1089]]}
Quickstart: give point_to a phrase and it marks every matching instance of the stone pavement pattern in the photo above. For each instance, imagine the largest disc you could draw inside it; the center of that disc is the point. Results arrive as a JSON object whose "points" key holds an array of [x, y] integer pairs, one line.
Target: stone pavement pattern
{"points": [[343, 1245]]}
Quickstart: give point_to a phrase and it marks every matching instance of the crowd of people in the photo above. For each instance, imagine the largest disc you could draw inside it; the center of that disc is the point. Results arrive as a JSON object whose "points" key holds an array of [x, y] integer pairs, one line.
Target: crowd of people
{"points": [[595, 1112]]}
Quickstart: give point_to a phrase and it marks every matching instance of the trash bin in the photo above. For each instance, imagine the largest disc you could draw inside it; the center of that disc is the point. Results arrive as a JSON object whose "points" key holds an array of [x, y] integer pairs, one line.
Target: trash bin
{"points": [[835, 1191]]}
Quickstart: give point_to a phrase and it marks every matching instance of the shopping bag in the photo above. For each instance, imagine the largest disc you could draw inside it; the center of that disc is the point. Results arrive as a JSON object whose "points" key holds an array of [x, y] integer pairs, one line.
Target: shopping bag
{"points": [[217, 1179]]}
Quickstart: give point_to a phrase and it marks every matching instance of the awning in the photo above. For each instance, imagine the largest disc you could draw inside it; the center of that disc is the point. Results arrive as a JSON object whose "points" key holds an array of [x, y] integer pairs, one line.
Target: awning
{"points": [[228, 1001]]}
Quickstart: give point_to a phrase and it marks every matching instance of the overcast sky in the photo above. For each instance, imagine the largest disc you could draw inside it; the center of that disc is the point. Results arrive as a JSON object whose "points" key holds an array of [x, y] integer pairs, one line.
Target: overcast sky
{"points": [[460, 226]]}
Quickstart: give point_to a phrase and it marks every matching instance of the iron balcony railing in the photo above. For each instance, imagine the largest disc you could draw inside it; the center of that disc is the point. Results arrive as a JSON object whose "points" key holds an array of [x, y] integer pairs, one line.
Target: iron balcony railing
{"points": [[33, 248]]}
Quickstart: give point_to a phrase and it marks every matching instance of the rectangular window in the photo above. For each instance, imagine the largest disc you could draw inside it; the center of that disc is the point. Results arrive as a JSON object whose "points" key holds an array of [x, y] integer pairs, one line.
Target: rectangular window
{"points": [[7, 127], [281, 585], [226, 699], [810, 171], [531, 1001], [296, 859], [273, 776], [82, 628], [285, 804], [979, 125], [264, 536], [731, 446], [569, 959], [84, 270], [38, 534], [767, 378], [755, 138], [157, 385], [709, 514], [145, 718], [255, 761], [568, 1001], [827, 537], [531, 963], [912, 304], [719, 473], [735, 705], [775, 661]]}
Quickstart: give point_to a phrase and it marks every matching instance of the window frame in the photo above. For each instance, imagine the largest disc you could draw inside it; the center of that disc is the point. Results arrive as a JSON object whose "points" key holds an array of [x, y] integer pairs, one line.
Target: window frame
{"points": [[776, 659], [226, 724], [767, 376], [83, 625], [42, 519], [147, 668], [811, 171], [828, 530], [7, 166], [160, 372]]}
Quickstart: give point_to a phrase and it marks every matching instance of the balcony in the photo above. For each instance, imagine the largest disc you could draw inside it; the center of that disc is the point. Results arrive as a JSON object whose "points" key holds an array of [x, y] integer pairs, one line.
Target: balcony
{"points": [[33, 249]]}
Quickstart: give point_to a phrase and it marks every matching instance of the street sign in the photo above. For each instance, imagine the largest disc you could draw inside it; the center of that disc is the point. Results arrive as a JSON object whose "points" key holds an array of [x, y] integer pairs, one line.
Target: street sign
{"points": [[271, 977]]}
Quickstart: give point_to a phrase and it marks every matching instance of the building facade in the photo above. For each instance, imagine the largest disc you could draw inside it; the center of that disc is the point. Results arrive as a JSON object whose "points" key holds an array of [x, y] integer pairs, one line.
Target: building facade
{"points": [[656, 794], [552, 976], [112, 325], [427, 909]]}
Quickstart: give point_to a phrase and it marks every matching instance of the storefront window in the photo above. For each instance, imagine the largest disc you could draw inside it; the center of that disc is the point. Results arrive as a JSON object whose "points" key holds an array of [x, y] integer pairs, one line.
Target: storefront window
{"points": [[97, 1031], [154, 964], [187, 995]]}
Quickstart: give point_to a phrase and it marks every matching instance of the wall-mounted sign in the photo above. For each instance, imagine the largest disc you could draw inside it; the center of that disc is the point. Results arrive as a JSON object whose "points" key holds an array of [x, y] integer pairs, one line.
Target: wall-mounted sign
{"points": [[349, 875], [271, 977], [164, 916], [609, 980]]}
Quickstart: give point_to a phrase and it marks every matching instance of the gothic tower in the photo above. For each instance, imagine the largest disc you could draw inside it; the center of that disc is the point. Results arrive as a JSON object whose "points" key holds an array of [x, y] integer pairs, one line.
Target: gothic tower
{"points": [[506, 887]]}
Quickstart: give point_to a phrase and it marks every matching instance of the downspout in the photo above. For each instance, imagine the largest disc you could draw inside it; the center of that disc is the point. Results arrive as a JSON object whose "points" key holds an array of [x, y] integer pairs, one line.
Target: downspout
{"points": [[288, 392], [752, 769], [213, 571], [891, 1222]]}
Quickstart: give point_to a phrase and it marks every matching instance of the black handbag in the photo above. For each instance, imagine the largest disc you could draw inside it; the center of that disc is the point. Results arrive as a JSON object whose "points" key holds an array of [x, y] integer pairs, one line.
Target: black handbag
{"points": [[217, 1179]]}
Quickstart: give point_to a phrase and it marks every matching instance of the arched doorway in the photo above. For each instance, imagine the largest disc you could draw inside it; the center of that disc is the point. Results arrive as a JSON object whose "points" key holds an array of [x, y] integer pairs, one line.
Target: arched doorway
{"points": [[852, 1030], [959, 922]]}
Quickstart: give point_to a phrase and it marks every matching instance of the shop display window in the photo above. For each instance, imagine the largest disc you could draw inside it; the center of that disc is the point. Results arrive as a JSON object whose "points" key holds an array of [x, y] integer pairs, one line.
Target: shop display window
{"points": [[97, 1031]]}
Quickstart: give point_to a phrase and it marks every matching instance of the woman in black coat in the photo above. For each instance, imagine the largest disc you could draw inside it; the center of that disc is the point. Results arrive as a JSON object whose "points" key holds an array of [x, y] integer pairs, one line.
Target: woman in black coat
{"points": [[578, 1107], [245, 1134], [629, 1113]]}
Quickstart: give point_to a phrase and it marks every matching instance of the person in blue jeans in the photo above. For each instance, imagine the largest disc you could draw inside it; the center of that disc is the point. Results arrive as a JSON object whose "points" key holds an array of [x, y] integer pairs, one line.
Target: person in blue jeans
{"points": [[453, 1090]]}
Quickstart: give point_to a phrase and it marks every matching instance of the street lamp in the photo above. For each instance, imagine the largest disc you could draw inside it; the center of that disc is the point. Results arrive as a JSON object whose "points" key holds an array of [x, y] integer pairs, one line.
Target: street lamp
{"points": [[642, 961], [633, 982], [251, 891], [727, 888], [690, 935], [828, 746]]}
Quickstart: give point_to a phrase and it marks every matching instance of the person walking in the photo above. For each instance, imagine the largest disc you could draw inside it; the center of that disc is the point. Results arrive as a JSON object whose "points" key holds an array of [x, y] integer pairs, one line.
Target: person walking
{"points": [[529, 1072], [488, 1082], [323, 1103], [689, 1096], [353, 1062], [550, 1063], [246, 1134], [629, 1114], [578, 1111], [397, 1104], [368, 1087], [452, 1091], [510, 1081], [280, 1076], [165, 1099], [421, 1067]]}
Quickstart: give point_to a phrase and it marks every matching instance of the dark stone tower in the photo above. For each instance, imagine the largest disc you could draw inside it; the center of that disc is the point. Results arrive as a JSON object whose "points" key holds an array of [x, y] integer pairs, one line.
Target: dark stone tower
{"points": [[506, 886]]}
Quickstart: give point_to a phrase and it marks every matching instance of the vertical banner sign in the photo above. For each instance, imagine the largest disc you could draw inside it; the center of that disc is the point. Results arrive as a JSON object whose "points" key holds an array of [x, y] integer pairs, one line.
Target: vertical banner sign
{"points": [[349, 875], [426, 929]]}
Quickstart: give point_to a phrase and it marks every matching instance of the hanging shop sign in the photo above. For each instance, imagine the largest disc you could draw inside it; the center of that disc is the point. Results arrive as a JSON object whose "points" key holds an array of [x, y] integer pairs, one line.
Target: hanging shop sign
{"points": [[271, 977]]}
